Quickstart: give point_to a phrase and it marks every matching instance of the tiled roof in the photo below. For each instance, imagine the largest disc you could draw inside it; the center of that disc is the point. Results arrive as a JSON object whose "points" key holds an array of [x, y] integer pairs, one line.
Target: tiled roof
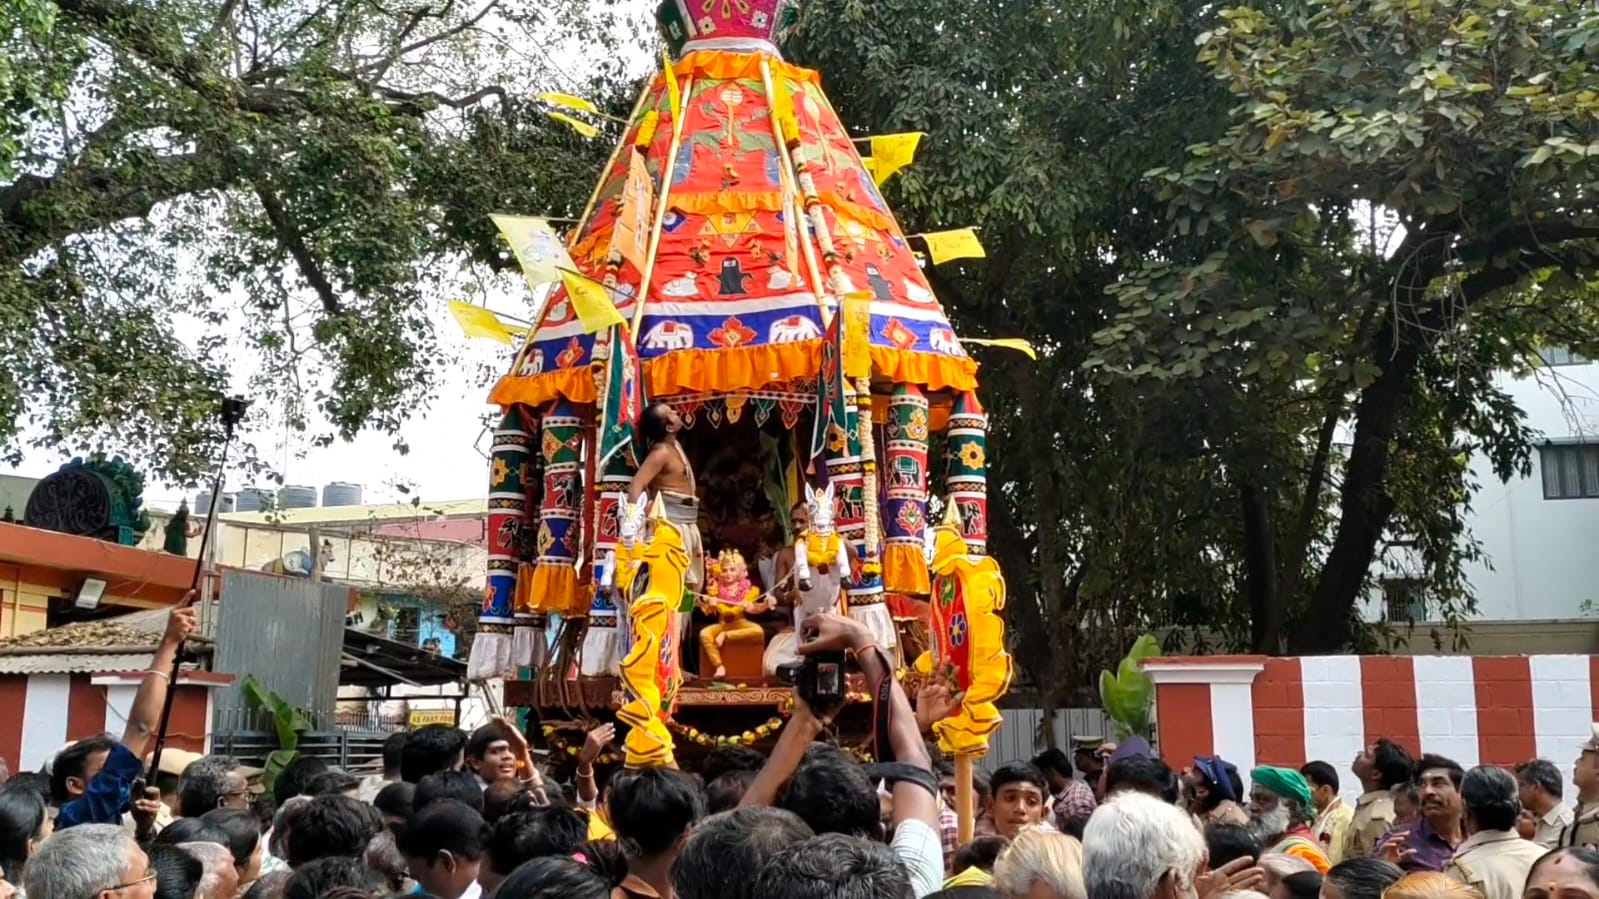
{"points": [[138, 629]]}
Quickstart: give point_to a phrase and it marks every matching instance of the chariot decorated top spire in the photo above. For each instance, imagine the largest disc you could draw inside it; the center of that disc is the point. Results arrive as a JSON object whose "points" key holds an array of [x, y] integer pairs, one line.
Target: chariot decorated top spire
{"points": [[740, 25]]}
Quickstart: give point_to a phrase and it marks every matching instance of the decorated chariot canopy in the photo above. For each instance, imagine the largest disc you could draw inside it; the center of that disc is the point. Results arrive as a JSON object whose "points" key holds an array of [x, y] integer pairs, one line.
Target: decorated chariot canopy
{"points": [[735, 300], [743, 253]]}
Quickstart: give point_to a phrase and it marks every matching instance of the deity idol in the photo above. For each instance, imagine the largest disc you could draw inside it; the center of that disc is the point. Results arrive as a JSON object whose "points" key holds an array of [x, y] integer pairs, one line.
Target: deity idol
{"points": [[731, 597]]}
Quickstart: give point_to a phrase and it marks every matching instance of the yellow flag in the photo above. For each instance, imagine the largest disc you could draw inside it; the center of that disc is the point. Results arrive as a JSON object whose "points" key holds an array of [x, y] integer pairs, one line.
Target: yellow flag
{"points": [[475, 321], [962, 243], [578, 125], [892, 152], [1007, 343], [630, 235], [674, 93], [783, 109], [857, 325], [540, 253], [591, 301], [871, 167], [570, 102]]}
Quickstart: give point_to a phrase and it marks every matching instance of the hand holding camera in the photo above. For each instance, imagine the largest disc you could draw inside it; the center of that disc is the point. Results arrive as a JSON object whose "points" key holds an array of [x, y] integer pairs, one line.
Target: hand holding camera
{"points": [[820, 678], [830, 632]]}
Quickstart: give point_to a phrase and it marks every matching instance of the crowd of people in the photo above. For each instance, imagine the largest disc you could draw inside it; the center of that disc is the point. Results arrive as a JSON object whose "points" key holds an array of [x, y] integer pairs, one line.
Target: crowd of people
{"points": [[458, 815]]}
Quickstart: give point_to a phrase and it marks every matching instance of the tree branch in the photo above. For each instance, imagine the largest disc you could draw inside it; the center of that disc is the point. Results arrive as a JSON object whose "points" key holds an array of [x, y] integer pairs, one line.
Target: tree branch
{"points": [[38, 210], [293, 241], [402, 49], [439, 99]]}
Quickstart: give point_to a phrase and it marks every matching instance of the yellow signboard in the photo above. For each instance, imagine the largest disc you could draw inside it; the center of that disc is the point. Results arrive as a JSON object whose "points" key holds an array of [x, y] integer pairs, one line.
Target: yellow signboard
{"points": [[423, 717]]}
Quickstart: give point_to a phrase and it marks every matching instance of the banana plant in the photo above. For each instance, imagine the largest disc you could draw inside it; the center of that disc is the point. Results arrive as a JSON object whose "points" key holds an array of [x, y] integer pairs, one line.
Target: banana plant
{"points": [[288, 721], [1128, 694]]}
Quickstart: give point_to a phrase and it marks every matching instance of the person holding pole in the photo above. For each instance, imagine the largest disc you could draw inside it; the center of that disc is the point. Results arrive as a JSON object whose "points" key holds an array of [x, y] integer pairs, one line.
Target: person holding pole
{"points": [[109, 779]]}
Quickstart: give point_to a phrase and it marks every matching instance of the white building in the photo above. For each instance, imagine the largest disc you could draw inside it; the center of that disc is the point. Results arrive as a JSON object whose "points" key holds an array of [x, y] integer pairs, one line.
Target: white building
{"points": [[1538, 533]]}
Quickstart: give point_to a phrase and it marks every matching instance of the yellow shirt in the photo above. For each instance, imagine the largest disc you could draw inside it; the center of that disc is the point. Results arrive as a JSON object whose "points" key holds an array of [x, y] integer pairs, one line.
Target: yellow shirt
{"points": [[1332, 828]]}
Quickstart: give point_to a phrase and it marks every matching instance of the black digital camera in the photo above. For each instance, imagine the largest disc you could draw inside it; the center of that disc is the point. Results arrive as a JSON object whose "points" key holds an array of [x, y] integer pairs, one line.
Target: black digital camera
{"points": [[819, 679]]}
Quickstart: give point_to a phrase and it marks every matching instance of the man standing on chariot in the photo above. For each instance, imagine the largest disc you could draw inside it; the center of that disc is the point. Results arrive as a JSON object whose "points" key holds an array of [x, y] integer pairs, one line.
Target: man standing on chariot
{"points": [[665, 470]]}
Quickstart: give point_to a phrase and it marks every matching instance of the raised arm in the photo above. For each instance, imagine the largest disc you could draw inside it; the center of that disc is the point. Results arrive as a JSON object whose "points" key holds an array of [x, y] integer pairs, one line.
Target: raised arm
{"points": [[145, 715], [916, 830], [108, 793]]}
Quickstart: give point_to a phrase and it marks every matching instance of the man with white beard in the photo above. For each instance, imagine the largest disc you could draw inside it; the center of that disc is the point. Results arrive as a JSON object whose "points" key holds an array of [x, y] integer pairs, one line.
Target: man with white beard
{"points": [[1280, 814]]}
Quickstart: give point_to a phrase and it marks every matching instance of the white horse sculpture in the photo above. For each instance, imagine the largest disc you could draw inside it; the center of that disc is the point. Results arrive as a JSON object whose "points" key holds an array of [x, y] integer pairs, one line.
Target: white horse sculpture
{"points": [[604, 646], [818, 589]]}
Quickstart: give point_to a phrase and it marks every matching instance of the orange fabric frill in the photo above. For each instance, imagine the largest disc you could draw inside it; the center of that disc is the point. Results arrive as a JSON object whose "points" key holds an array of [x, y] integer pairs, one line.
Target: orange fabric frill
{"points": [[725, 371], [553, 589], [740, 368], [905, 570], [575, 384], [926, 370]]}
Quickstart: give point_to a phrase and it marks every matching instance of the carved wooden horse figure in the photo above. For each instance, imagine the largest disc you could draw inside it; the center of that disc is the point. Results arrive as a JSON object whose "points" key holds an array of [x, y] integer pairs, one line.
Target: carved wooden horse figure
{"points": [[819, 587]]}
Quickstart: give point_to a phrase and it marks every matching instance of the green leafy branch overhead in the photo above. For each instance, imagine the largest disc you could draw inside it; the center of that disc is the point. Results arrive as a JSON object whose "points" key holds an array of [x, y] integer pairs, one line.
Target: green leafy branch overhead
{"points": [[302, 183]]}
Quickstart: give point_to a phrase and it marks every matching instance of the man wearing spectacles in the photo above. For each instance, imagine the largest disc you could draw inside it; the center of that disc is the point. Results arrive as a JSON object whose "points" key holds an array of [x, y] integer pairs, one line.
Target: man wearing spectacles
{"points": [[90, 861]]}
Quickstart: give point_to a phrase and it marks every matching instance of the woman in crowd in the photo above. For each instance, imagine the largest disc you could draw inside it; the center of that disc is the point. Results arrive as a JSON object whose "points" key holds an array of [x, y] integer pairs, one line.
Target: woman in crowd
{"points": [[1571, 873], [24, 824]]}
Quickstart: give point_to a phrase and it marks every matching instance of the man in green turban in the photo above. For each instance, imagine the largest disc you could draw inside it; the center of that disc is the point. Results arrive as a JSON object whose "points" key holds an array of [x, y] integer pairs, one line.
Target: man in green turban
{"points": [[1280, 813]]}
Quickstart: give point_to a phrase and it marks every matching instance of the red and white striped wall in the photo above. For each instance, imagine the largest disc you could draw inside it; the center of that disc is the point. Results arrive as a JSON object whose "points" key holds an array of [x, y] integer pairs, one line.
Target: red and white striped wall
{"points": [[40, 713], [1254, 710]]}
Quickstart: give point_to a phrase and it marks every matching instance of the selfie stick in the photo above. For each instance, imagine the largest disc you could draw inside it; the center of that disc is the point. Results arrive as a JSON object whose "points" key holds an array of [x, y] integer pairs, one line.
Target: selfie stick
{"points": [[233, 408]]}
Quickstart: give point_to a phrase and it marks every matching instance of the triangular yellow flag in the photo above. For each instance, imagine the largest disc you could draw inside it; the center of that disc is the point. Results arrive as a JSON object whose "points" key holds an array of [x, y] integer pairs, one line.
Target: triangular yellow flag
{"points": [[1007, 343], [674, 93], [892, 152], [476, 321], [591, 301], [540, 253], [962, 243], [578, 125], [569, 101], [871, 167]]}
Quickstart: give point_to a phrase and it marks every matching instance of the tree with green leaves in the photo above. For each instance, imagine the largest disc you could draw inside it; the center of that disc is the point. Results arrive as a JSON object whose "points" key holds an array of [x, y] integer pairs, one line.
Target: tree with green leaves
{"points": [[1105, 514], [303, 181], [1474, 129]]}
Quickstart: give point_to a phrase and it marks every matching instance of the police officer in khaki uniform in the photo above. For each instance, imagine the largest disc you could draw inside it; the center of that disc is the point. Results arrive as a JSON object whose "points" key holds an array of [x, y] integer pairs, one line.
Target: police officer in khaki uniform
{"points": [[1493, 858], [1584, 827], [1379, 767]]}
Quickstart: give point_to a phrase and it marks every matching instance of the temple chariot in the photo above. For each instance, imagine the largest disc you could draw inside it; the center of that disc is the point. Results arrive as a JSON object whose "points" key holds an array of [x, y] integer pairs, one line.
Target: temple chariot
{"points": [[767, 295]]}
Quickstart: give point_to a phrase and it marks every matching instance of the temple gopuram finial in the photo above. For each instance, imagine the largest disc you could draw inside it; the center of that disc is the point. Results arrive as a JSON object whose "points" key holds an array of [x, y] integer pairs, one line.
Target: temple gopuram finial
{"points": [[725, 24]]}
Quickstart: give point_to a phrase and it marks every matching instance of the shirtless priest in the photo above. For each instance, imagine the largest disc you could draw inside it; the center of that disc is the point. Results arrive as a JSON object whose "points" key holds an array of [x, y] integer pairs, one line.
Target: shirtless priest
{"points": [[665, 471]]}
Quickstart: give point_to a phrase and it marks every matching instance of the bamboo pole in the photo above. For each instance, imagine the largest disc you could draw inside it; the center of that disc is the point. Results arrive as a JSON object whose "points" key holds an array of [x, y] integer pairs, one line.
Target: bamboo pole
{"points": [[837, 284], [964, 813], [642, 294], [577, 229], [786, 173]]}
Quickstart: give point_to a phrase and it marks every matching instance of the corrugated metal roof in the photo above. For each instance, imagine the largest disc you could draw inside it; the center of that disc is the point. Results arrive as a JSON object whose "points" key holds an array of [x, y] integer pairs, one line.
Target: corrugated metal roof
{"points": [[73, 663], [357, 515]]}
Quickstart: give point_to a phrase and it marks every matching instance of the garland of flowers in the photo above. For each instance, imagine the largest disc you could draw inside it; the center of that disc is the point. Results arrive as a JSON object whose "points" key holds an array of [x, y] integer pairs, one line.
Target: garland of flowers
{"points": [[747, 738], [751, 737]]}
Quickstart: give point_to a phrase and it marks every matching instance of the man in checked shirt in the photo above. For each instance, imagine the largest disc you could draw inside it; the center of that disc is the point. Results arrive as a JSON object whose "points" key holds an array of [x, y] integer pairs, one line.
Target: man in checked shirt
{"points": [[1070, 797]]}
